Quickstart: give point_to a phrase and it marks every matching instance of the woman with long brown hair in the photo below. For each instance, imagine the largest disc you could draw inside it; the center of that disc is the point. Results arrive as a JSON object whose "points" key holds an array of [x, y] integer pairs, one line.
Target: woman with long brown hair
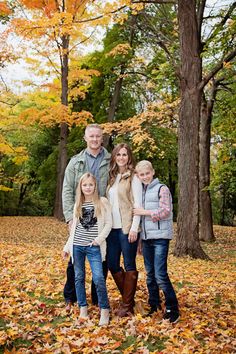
{"points": [[124, 193]]}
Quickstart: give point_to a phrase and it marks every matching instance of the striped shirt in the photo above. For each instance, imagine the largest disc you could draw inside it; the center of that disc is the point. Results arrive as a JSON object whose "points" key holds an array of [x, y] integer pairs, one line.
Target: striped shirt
{"points": [[87, 227], [164, 205]]}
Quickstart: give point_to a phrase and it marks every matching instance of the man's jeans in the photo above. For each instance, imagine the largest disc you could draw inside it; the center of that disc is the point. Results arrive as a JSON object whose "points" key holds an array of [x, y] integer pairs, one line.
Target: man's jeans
{"points": [[94, 257], [69, 288], [155, 253], [118, 243]]}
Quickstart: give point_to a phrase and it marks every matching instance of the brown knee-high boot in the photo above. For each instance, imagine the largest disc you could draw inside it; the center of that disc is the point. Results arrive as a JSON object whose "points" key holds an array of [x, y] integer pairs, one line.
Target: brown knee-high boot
{"points": [[130, 284], [119, 278]]}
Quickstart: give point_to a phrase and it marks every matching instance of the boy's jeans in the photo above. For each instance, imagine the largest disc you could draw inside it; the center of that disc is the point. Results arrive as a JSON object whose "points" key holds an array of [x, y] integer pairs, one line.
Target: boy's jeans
{"points": [[94, 257], [155, 253]]}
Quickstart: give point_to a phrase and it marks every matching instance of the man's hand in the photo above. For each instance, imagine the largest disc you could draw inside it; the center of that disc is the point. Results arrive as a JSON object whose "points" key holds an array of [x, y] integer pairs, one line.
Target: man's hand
{"points": [[65, 255], [132, 237], [140, 247]]}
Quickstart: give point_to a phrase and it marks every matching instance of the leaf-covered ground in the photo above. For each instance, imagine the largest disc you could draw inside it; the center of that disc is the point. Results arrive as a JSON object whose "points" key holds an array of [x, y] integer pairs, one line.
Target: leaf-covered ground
{"points": [[33, 317]]}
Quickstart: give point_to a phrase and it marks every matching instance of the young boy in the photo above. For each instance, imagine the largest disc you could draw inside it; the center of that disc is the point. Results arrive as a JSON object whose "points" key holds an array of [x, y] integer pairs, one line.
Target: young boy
{"points": [[156, 233]]}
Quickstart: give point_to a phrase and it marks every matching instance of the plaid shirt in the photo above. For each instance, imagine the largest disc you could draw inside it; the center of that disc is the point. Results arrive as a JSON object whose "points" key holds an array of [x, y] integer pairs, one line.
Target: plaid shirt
{"points": [[164, 205]]}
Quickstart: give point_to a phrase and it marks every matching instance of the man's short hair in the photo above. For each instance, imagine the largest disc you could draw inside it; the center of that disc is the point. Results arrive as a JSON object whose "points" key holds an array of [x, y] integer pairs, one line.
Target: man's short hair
{"points": [[93, 126], [143, 164]]}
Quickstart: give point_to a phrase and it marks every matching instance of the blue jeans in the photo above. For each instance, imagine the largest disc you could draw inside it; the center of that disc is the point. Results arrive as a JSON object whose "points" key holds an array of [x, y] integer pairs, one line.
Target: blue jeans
{"points": [[155, 253], [95, 260], [118, 243]]}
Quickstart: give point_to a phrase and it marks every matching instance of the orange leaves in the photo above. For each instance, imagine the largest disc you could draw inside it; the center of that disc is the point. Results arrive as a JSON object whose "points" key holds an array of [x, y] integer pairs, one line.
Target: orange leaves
{"points": [[163, 114], [54, 115], [33, 316], [4, 9]]}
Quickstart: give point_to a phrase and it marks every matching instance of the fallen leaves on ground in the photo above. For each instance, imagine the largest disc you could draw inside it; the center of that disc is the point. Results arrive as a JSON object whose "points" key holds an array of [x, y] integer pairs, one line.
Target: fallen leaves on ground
{"points": [[32, 312]]}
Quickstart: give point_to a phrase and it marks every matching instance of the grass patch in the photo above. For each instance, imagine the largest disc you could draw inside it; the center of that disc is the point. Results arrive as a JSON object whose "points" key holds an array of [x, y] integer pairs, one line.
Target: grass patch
{"points": [[153, 344], [2, 324]]}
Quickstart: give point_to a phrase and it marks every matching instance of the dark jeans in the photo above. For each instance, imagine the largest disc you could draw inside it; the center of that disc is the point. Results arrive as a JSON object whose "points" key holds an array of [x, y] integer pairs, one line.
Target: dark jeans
{"points": [[69, 288], [155, 253], [118, 243]]}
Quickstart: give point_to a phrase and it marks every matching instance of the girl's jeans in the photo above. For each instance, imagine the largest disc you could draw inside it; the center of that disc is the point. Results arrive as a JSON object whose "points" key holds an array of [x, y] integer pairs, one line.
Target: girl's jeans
{"points": [[94, 257]]}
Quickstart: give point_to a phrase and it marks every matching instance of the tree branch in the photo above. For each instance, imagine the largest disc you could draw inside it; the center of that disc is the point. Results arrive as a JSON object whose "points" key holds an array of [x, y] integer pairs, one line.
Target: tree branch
{"points": [[222, 22], [217, 68], [200, 12]]}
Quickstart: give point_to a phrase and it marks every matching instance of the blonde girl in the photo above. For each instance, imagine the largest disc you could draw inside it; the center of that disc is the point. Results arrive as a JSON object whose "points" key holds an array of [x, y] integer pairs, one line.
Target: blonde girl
{"points": [[92, 222]]}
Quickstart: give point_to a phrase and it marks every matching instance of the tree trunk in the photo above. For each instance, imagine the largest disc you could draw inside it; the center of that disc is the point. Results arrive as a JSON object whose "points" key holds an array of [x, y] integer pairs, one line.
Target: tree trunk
{"points": [[62, 151], [206, 223], [187, 241]]}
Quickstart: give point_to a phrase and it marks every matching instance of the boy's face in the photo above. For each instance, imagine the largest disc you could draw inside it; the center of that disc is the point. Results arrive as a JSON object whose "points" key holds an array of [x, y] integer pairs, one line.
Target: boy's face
{"points": [[145, 175]]}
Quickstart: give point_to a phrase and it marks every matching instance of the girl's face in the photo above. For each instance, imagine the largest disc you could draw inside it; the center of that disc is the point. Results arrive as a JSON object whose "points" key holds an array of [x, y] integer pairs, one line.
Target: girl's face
{"points": [[122, 158], [88, 187]]}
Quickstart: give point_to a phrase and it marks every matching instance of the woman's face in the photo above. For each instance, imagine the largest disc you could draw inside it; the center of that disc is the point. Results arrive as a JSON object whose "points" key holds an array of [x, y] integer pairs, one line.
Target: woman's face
{"points": [[122, 158], [88, 187]]}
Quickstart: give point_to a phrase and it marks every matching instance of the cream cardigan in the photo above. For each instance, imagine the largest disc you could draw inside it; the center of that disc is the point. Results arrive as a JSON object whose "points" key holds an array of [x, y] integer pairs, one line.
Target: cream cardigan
{"points": [[104, 228]]}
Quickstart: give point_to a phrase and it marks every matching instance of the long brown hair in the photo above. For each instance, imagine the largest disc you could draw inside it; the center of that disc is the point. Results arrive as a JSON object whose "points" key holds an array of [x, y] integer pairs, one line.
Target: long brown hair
{"points": [[80, 199], [114, 169]]}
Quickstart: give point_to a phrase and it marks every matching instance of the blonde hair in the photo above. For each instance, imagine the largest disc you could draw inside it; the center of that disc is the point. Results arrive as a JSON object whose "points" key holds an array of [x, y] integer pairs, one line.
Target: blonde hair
{"points": [[93, 126], [143, 164], [80, 199]]}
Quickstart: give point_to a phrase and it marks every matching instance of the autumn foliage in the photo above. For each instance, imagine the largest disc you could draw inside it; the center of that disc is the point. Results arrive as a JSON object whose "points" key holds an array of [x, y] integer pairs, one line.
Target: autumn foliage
{"points": [[33, 317]]}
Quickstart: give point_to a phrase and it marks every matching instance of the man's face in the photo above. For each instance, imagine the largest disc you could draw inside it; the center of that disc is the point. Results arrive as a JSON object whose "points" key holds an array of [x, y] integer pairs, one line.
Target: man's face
{"points": [[93, 138], [145, 175]]}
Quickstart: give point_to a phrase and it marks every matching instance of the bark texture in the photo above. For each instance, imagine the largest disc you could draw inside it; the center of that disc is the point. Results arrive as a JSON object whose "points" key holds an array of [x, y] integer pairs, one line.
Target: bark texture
{"points": [[187, 241], [62, 151], [206, 222]]}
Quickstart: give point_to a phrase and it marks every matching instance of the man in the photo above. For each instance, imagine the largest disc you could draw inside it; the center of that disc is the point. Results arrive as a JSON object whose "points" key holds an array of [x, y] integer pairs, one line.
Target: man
{"points": [[94, 159]]}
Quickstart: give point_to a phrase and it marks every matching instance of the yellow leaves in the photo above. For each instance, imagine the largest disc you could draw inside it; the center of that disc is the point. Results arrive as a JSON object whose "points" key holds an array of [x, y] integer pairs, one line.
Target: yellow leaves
{"points": [[227, 65], [54, 115], [163, 114], [33, 316], [121, 49]]}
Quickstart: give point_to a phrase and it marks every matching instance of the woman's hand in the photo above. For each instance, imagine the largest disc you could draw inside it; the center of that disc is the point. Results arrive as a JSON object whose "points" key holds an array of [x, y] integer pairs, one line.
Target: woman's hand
{"points": [[132, 237], [141, 211]]}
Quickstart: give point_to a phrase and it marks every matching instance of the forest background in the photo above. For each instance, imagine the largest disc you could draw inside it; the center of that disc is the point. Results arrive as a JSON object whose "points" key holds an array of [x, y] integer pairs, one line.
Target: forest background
{"points": [[160, 75], [163, 80]]}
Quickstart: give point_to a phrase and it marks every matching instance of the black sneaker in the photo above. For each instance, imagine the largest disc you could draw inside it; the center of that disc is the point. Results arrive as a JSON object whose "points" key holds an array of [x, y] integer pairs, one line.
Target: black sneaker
{"points": [[153, 310], [172, 316]]}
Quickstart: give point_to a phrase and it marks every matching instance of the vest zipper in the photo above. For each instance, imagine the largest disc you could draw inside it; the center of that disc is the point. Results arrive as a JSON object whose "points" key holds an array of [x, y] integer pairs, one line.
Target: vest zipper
{"points": [[144, 228]]}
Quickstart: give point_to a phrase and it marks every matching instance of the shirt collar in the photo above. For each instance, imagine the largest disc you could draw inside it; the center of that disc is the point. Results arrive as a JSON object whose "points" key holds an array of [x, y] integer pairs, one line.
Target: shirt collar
{"points": [[91, 155]]}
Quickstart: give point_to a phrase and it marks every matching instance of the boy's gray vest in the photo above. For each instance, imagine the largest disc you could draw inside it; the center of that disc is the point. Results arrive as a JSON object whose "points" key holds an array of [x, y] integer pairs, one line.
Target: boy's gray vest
{"points": [[159, 229]]}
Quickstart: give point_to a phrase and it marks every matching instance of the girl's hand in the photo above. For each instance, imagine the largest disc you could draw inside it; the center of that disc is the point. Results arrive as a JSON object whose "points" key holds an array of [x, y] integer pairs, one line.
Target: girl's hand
{"points": [[65, 255], [70, 224], [94, 243], [132, 237]]}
